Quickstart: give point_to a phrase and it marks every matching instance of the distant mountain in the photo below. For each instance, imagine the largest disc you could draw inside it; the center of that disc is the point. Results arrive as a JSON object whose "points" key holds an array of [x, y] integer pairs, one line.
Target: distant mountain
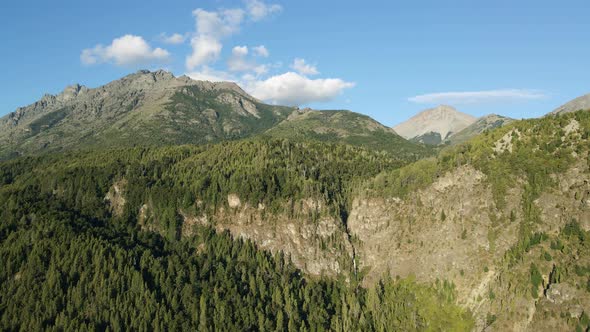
{"points": [[344, 127], [433, 126], [578, 104], [145, 108], [482, 124]]}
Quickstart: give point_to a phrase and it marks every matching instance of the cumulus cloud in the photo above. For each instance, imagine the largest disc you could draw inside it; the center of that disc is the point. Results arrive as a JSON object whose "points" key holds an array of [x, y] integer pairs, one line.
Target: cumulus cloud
{"points": [[205, 50], [303, 68], [240, 51], [261, 51], [242, 66], [477, 97], [285, 89], [259, 10], [213, 26], [294, 89], [238, 62], [125, 50], [218, 24], [173, 39]]}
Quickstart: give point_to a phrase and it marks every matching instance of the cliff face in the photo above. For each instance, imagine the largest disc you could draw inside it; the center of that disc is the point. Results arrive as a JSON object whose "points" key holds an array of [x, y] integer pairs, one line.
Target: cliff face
{"points": [[314, 241], [454, 229]]}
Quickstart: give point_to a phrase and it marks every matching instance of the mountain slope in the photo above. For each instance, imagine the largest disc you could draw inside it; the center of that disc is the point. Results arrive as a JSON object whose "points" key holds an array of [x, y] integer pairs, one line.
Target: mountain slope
{"points": [[482, 124], [133, 239], [345, 127], [156, 108], [145, 108], [499, 224], [578, 104], [504, 216], [434, 125]]}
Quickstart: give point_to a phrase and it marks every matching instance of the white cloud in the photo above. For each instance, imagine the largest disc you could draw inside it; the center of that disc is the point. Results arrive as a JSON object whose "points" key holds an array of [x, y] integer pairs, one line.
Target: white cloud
{"points": [[212, 75], [212, 26], [477, 97], [293, 89], [285, 89], [289, 88], [240, 51], [239, 63], [261, 51], [173, 39], [259, 10], [125, 50], [218, 24], [303, 68], [249, 77], [91, 56], [205, 50]]}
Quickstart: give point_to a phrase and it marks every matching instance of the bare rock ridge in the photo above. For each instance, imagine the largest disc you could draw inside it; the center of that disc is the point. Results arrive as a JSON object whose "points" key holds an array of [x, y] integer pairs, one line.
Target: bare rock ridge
{"points": [[143, 81], [145, 108], [434, 125], [579, 104]]}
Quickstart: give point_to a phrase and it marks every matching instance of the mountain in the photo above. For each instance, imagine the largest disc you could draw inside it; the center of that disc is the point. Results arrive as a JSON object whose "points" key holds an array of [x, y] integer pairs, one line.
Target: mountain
{"points": [[433, 126], [345, 127], [481, 125], [145, 108], [155, 108], [578, 104], [504, 216]]}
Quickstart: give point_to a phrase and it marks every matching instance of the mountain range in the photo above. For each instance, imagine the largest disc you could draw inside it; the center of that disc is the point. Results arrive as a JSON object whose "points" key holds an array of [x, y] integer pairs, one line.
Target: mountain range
{"points": [[214, 210], [156, 108]]}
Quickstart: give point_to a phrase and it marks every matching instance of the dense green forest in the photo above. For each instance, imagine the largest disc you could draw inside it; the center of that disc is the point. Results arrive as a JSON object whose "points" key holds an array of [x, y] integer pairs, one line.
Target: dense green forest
{"points": [[346, 127], [69, 263], [73, 259], [268, 172]]}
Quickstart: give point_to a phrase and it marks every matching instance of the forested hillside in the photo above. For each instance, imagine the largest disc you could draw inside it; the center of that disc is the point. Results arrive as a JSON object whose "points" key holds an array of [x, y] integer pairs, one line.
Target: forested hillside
{"points": [[73, 261], [346, 127]]}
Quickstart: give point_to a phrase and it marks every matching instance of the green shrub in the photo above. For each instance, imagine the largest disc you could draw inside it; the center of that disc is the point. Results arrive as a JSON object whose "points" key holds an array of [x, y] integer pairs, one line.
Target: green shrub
{"points": [[536, 280], [547, 256]]}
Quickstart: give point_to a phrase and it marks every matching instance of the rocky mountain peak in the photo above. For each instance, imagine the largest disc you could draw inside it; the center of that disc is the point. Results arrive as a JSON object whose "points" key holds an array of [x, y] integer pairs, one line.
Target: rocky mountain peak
{"points": [[146, 77], [71, 91], [442, 120]]}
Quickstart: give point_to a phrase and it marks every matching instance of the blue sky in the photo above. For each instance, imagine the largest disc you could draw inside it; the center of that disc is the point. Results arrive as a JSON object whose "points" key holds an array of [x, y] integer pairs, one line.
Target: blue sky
{"points": [[387, 59]]}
